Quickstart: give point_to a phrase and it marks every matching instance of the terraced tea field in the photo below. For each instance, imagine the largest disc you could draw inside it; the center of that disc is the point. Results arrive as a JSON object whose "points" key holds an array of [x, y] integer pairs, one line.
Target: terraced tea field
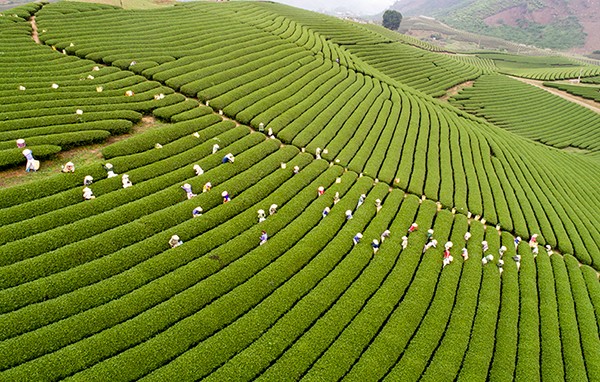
{"points": [[312, 256]]}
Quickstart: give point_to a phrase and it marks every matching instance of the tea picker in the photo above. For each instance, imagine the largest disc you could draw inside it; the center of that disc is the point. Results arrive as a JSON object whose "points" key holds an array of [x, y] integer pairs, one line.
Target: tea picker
{"points": [[32, 163], [188, 190], [263, 237], [261, 216], [175, 242]]}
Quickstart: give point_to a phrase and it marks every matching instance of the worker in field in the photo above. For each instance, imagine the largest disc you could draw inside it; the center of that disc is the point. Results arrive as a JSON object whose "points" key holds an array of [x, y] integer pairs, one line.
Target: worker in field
{"points": [[229, 158], [356, 238], [226, 197], [125, 180], [517, 241], [21, 143], [429, 234], [431, 244], [501, 251], [68, 167], [336, 198], [500, 265], [197, 212], [404, 242], [263, 237], [549, 250], [487, 259], [447, 257], [467, 236], [375, 246], [320, 190], [273, 209], [318, 153], [88, 180], [533, 240], [261, 216], [385, 235], [175, 241], [109, 170], [88, 194], [413, 227], [326, 211], [535, 250], [465, 254], [361, 200], [188, 190], [517, 259], [207, 187], [199, 171], [296, 170], [378, 205], [32, 164], [484, 246], [215, 148], [270, 133]]}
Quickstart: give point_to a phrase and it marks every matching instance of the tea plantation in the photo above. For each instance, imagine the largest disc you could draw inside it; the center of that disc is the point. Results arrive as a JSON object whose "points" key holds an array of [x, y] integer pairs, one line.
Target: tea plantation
{"points": [[335, 124]]}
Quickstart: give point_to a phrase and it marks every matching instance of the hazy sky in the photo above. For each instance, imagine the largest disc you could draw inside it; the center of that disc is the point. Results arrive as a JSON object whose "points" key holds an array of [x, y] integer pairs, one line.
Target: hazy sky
{"points": [[366, 7]]}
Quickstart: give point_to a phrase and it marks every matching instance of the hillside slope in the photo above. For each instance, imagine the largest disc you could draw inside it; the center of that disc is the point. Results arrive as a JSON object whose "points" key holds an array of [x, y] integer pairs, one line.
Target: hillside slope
{"points": [[176, 272], [544, 23]]}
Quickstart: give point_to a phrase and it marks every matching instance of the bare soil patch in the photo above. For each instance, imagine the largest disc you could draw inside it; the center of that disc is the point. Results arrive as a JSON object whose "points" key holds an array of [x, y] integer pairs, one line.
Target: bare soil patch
{"points": [[455, 90], [34, 30]]}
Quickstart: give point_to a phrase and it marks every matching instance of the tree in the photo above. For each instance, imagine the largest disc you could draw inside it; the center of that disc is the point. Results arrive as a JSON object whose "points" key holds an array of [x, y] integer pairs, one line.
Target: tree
{"points": [[392, 19]]}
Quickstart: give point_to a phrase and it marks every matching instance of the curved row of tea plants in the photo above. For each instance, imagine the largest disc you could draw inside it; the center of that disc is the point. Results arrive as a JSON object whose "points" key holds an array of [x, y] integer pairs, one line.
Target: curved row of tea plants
{"points": [[589, 92], [53, 99], [91, 290], [316, 103], [554, 121]]}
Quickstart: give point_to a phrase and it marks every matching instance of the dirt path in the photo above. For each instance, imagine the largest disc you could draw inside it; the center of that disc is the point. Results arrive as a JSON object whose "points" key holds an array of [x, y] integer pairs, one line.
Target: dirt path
{"points": [[34, 30], [455, 90], [592, 105]]}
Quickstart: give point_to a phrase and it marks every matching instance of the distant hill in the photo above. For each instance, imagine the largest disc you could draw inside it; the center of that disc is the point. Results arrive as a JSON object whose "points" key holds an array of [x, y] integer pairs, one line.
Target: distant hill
{"points": [[544, 23]]}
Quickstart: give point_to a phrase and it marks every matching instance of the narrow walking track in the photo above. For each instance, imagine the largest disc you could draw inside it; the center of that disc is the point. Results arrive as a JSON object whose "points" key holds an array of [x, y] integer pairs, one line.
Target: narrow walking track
{"points": [[456, 89], [34, 30], [569, 97]]}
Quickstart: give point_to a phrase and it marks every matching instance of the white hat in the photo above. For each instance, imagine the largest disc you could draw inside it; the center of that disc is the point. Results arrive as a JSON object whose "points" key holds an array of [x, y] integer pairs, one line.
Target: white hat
{"points": [[348, 212], [26, 152], [261, 211], [224, 193], [359, 235], [174, 237], [187, 185]]}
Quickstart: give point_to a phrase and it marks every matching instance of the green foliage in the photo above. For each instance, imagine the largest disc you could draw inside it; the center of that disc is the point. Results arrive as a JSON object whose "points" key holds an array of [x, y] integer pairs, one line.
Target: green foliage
{"points": [[91, 289], [392, 19]]}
